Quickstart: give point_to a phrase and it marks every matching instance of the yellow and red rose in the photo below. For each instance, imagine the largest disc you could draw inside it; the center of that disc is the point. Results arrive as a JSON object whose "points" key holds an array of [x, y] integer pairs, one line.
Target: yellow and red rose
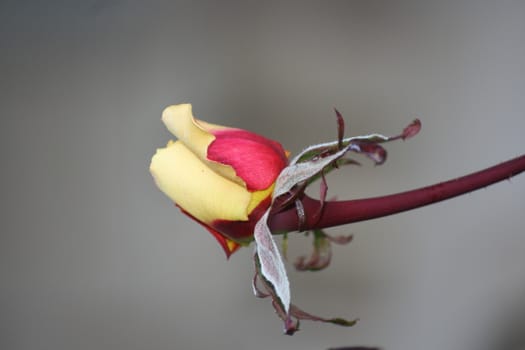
{"points": [[221, 177]]}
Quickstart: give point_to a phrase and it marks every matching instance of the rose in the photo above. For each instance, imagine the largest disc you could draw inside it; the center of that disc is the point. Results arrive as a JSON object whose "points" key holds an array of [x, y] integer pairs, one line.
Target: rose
{"points": [[221, 177]]}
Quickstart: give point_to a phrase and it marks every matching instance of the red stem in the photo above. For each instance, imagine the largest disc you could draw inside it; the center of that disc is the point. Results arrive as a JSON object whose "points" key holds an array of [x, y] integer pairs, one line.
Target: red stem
{"points": [[346, 212]]}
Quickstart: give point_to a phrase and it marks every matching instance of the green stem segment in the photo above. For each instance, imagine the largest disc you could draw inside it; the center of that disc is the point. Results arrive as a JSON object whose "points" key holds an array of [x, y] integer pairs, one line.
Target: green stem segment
{"points": [[345, 212]]}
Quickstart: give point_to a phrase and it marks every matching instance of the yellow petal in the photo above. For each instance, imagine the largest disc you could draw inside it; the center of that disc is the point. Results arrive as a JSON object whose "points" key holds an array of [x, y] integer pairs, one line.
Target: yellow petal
{"points": [[190, 183], [196, 136], [258, 197]]}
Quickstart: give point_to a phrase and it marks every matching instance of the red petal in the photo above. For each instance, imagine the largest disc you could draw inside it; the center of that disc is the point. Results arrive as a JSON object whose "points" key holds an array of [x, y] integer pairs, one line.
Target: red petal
{"points": [[256, 159], [242, 230], [227, 245], [239, 230]]}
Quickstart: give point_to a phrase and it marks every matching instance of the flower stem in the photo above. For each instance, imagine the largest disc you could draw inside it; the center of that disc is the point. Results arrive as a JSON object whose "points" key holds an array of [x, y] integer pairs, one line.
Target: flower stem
{"points": [[345, 212]]}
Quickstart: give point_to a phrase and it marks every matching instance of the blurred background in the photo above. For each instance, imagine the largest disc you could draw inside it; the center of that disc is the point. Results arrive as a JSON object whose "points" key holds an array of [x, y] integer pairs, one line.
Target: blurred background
{"points": [[93, 256]]}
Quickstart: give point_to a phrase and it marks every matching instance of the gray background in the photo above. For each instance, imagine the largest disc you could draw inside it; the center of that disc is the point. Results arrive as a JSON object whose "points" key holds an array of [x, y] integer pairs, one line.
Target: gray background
{"points": [[93, 256]]}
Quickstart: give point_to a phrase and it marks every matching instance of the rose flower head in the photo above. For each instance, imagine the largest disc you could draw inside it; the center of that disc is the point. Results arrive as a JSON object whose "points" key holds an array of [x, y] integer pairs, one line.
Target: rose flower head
{"points": [[221, 177]]}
